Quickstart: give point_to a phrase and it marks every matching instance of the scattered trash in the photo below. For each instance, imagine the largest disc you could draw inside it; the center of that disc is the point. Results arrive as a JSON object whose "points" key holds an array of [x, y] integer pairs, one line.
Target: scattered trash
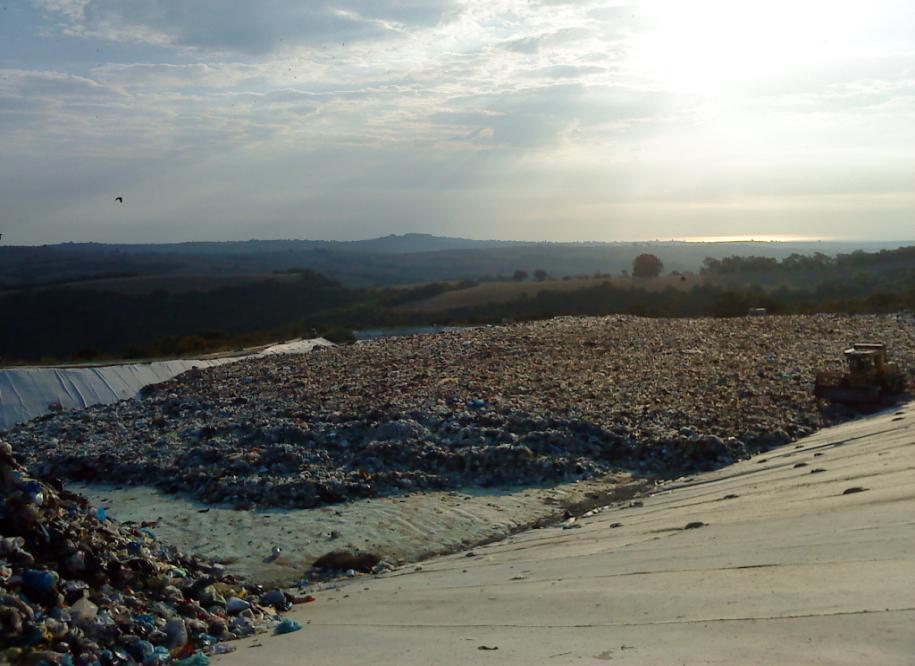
{"points": [[84, 611], [287, 626], [382, 567], [341, 560], [554, 401], [78, 584], [234, 606], [694, 525], [531, 405], [276, 598], [487, 647], [853, 489]]}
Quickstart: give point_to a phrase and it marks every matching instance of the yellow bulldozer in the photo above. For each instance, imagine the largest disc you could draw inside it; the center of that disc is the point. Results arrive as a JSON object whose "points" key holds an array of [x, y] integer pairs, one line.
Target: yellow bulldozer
{"points": [[870, 382]]}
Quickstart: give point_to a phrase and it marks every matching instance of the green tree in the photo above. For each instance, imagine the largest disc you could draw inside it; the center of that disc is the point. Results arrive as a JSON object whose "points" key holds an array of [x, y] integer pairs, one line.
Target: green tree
{"points": [[519, 276], [646, 266]]}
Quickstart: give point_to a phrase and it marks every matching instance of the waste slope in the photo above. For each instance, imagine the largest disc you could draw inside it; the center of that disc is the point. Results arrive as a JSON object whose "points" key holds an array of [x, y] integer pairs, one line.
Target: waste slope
{"points": [[533, 403], [77, 587], [801, 555]]}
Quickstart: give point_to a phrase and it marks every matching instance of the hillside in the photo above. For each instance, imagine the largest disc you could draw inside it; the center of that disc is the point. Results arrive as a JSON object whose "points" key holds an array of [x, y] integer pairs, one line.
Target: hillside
{"points": [[391, 260], [505, 292], [172, 313]]}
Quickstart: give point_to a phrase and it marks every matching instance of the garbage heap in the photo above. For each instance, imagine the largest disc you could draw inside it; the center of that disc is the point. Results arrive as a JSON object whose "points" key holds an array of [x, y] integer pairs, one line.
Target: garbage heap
{"points": [[79, 588], [539, 402]]}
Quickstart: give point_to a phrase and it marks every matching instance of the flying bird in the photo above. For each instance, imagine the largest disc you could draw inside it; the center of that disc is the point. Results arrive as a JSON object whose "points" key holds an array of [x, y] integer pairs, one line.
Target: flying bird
{"points": [[119, 199]]}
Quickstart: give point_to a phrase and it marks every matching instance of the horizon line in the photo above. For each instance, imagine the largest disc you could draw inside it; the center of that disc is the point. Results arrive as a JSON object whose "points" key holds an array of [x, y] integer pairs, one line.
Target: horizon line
{"points": [[708, 240]]}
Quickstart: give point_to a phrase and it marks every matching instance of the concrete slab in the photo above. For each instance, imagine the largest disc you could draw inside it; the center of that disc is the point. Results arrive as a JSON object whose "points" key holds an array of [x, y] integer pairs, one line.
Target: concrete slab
{"points": [[789, 567]]}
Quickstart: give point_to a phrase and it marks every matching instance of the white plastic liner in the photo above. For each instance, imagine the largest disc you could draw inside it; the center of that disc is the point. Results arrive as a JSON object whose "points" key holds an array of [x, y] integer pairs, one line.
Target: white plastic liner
{"points": [[29, 392]]}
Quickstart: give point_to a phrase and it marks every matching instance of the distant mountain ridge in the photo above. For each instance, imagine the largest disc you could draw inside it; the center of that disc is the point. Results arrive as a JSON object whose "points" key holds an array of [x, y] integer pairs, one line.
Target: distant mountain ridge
{"points": [[389, 260], [393, 243], [420, 242]]}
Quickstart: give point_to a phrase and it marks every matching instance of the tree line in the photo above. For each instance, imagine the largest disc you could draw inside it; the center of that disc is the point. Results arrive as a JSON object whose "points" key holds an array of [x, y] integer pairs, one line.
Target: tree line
{"points": [[59, 323]]}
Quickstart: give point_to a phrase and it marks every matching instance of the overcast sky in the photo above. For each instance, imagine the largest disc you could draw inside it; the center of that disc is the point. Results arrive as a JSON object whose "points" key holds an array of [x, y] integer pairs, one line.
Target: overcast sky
{"points": [[527, 119]]}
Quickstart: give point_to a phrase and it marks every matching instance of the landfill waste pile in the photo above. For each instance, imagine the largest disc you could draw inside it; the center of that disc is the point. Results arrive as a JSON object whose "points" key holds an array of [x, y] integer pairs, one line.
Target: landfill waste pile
{"points": [[537, 402], [78, 588]]}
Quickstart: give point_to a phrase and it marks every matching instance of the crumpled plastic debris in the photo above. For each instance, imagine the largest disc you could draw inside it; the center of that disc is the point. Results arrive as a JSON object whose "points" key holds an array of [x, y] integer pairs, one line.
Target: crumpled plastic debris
{"points": [[77, 588], [287, 626], [548, 401]]}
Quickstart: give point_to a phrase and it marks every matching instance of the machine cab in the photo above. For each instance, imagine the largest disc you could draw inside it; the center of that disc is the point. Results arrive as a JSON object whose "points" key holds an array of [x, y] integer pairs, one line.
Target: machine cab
{"points": [[866, 358]]}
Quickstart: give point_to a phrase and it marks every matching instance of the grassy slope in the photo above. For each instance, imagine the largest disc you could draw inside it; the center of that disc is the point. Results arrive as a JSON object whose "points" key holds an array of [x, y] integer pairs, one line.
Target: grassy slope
{"points": [[504, 292]]}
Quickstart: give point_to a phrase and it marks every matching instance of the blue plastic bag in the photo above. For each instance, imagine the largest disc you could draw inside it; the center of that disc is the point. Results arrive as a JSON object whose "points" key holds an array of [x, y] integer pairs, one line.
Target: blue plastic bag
{"points": [[287, 626]]}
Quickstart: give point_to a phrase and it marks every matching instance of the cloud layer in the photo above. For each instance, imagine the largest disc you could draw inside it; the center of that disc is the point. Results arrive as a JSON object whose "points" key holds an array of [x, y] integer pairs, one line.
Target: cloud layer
{"points": [[498, 118]]}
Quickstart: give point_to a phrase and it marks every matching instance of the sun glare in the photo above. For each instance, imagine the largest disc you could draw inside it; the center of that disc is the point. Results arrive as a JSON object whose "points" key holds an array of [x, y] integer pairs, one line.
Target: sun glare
{"points": [[715, 48], [755, 238]]}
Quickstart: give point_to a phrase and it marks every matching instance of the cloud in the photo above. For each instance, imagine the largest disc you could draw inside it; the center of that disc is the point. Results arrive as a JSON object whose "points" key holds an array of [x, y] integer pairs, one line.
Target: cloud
{"points": [[35, 105], [567, 71], [552, 113], [247, 26], [53, 85], [213, 75], [536, 43], [401, 112]]}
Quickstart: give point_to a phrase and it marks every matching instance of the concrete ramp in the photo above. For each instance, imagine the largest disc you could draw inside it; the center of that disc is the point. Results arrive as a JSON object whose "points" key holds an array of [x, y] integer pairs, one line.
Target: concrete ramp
{"points": [[804, 555]]}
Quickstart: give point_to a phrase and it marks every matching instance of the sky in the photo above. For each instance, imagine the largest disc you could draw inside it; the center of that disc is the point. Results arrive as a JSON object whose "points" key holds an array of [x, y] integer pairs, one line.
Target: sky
{"points": [[511, 119]]}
